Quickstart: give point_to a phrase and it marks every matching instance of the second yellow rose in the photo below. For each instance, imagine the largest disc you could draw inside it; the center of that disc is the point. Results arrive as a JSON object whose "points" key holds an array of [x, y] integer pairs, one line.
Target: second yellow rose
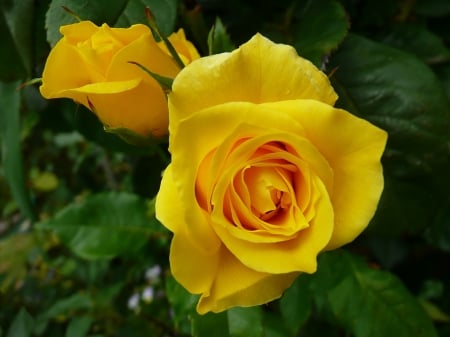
{"points": [[90, 65]]}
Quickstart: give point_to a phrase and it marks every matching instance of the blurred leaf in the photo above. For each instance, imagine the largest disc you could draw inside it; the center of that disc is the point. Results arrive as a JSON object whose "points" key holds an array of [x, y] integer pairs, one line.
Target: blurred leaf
{"points": [[164, 11], [62, 309], [418, 40], [295, 305], [15, 34], [370, 302], [99, 12], [104, 225], [273, 327], [22, 325], [14, 253], [45, 181], [79, 326], [435, 313], [218, 39], [438, 233], [210, 325], [245, 322], [11, 151], [183, 305], [433, 8], [320, 26], [235, 322]]}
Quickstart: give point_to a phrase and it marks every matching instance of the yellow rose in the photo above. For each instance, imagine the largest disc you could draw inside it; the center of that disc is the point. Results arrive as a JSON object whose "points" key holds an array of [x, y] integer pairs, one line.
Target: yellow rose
{"points": [[265, 174], [90, 65]]}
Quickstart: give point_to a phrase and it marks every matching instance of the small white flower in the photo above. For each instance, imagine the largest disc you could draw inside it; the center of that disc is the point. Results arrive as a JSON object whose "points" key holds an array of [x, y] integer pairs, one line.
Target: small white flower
{"points": [[148, 294], [133, 302], [152, 274]]}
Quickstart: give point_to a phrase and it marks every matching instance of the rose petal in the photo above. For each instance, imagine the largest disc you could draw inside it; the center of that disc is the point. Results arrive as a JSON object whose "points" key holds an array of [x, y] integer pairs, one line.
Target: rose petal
{"points": [[237, 285], [77, 75], [355, 159], [191, 266], [259, 71]]}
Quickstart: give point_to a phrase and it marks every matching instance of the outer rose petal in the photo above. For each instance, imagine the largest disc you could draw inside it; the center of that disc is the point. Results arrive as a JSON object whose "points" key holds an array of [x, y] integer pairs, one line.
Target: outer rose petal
{"points": [[184, 48], [353, 147], [192, 267], [259, 71], [77, 75], [237, 285]]}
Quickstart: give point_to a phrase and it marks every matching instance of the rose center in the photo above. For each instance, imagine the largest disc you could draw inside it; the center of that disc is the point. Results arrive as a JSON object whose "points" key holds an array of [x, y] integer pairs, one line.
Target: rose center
{"points": [[269, 194]]}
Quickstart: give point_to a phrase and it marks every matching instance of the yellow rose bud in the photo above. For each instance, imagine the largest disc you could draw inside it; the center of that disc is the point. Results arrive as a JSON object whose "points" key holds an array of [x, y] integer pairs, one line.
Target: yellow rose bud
{"points": [[265, 174], [91, 65]]}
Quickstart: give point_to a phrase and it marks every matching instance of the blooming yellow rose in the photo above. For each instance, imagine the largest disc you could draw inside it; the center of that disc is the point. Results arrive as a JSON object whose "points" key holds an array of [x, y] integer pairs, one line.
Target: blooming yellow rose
{"points": [[265, 174], [90, 64]]}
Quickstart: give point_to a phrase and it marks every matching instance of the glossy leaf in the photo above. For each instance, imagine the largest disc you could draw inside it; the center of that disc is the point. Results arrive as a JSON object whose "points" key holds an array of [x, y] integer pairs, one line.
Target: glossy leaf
{"points": [[104, 225], [11, 149], [99, 12], [418, 40], [371, 302], [320, 27]]}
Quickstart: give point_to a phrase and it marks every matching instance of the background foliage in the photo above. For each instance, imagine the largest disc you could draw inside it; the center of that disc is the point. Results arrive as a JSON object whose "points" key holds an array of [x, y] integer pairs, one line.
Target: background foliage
{"points": [[80, 249]]}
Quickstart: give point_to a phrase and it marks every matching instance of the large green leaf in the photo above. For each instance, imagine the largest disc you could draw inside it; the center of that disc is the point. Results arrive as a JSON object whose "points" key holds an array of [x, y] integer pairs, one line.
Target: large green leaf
{"points": [[11, 150], [398, 92], [104, 225], [370, 302], [98, 11], [418, 40], [321, 25], [164, 12]]}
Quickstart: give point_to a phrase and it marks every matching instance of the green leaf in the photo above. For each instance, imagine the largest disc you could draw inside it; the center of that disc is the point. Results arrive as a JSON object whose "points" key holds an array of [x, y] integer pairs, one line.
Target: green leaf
{"points": [[210, 325], [399, 93], [11, 150], [418, 40], [371, 302], [235, 322], [295, 305], [438, 234], [218, 39], [164, 11], [79, 326], [22, 325], [433, 8], [245, 322], [104, 225], [183, 305], [62, 308], [16, 27], [99, 12], [321, 26]]}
